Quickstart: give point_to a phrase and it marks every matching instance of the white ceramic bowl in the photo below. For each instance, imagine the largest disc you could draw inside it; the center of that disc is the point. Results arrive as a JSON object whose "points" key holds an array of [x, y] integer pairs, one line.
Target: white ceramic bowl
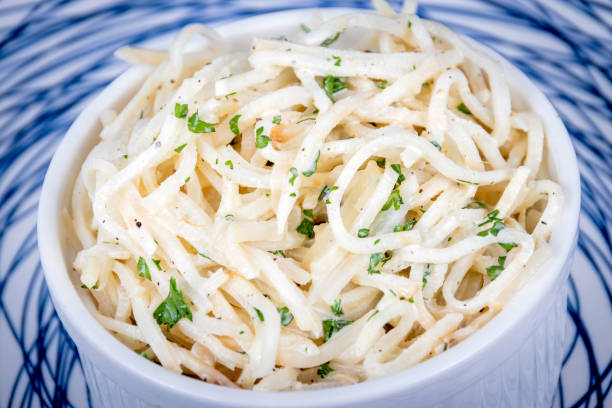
{"points": [[512, 361]]}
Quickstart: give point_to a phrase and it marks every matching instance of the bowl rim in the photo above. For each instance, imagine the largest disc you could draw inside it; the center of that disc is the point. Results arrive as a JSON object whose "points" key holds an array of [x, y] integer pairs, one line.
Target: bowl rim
{"points": [[111, 355]]}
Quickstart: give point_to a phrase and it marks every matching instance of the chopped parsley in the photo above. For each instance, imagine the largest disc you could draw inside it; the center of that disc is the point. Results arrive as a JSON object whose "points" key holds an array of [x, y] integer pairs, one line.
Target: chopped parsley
{"points": [[382, 84], [276, 120], [373, 314], [464, 109], [331, 85], [278, 252], [195, 125], [229, 217], [261, 140], [406, 227], [411, 299], [475, 204], [410, 24], [285, 316], [325, 193], [498, 224], [187, 179], [294, 174], [233, 124], [337, 60], [305, 28], [436, 145], [180, 148], [330, 40], [229, 94], [336, 308], [259, 314], [426, 275], [180, 110], [229, 164], [173, 308], [312, 169], [494, 270], [304, 120], [143, 268], [306, 227], [324, 370], [381, 162], [507, 245], [331, 326], [145, 356], [395, 200], [468, 182], [398, 169], [157, 263], [363, 232], [378, 258]]}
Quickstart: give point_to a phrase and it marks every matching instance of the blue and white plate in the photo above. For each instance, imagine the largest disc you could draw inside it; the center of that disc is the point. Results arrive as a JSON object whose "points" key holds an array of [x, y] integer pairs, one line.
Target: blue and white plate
{"points": [[55, 55]]}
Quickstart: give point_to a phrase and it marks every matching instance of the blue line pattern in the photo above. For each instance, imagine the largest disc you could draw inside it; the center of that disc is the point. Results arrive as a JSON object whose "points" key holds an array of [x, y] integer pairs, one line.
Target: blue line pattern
{"points": [[56, 54]]}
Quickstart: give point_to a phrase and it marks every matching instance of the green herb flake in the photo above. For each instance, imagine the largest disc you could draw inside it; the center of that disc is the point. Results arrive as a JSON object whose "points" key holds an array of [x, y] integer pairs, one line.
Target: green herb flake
{"points": [[233, 124], [143, 268], [410, 24], [398, 169], [464, 109], [261, 140], [125, 156], [173, 308], [331, 85], [475, 204], [497, 226], [468, 182], [285, 316], [229, 94], [157, 263], [305, 28], [313, 168], [195, 125], [259, 314], [187, 179], [436, 145], [392, 292], [324, 370], [304, 120], [180, 148], [308, 213], [180, 110], [306, 227], [276, 120], [507, 245], [145, 356], [337, 60], [494, 270], [381, 162], [425, 276], [205, 256], [373, 314], [325, 194], [377, 258], [330, 40], [292, 195], [395, 200], [411, 299], [294, 174], [363, 232], [332, 326], [336, 308], [382, 84], [278, 252], [229, 164], [406, 227]]}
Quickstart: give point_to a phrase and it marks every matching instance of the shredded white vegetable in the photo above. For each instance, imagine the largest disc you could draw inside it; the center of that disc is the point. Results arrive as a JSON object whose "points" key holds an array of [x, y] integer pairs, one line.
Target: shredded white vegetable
{"points": [[304, 216]]}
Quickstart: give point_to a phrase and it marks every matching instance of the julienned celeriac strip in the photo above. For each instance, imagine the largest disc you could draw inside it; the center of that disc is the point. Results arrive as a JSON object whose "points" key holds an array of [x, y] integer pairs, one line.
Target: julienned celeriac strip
{"points": [[312, 213]]}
